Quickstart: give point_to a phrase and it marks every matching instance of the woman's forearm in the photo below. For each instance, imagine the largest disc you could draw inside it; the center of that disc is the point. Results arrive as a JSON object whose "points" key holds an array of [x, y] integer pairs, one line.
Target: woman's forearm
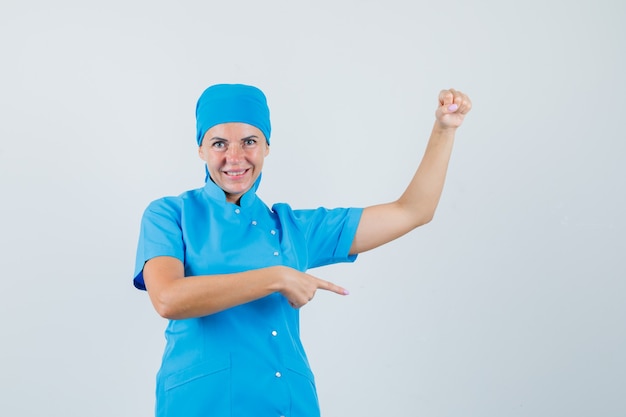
{"points": [[177, 297], [422, 195]]}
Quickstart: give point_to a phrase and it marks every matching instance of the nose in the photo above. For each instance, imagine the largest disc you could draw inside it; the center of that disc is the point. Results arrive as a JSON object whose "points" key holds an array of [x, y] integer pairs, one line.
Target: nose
{"points": [[234, 154]]}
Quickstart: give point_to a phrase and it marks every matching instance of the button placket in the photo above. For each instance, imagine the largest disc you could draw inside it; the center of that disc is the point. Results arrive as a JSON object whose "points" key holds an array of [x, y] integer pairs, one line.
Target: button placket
{"points": [[273, 233]]}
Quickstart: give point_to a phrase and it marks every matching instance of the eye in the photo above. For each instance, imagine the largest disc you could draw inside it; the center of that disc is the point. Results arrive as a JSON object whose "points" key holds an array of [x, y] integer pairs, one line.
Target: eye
{"points": [[249, 142], [219, 145]]}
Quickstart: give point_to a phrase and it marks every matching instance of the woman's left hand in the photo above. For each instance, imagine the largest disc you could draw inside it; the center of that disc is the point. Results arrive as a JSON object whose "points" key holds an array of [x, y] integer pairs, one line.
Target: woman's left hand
{"points": [[453, 106]]}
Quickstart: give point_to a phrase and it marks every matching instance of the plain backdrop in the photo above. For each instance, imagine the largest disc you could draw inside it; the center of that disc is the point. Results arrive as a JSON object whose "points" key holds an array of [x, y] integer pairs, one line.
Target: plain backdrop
{"points": [[512, 302]]}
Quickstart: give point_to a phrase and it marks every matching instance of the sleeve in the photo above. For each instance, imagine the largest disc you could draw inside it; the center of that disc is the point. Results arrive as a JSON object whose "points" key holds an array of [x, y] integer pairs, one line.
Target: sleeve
{"points": [[160, 235], [327, 233]]}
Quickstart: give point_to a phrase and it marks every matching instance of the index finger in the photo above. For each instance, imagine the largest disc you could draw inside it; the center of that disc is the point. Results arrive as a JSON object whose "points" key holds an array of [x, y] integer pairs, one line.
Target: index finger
{"points": [[329, 286]]}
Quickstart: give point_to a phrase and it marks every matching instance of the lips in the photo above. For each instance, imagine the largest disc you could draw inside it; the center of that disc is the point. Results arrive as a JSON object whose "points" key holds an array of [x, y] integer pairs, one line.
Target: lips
{"points": [[237, 173]]}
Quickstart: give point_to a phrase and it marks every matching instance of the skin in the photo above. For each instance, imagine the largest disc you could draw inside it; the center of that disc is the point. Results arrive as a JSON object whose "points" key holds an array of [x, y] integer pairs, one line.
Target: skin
{"points": [[234, 153]]}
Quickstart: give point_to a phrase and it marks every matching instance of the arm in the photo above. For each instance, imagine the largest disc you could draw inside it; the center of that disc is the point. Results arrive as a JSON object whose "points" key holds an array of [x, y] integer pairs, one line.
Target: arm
{"points": [[175, 296], [385, 222]]}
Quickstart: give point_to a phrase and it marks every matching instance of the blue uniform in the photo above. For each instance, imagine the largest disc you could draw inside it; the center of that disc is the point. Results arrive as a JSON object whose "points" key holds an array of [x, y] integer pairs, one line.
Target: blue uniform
{"points": [[247, 360]]}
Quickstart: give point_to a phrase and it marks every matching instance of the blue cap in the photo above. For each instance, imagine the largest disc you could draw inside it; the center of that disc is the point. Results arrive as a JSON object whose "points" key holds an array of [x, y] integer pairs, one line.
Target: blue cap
{"points": [[225, 103]]}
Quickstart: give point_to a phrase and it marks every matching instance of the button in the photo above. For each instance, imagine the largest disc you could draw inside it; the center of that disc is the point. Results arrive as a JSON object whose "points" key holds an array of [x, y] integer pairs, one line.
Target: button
{"points": [[278, 374], [237, 211], [274, 333], [273, 232], [275, 253], [253, 222]]}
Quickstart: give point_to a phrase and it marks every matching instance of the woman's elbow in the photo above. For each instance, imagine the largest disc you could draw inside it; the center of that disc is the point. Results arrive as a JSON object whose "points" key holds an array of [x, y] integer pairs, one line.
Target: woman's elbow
{"points": [[165, 306], [427, 218], [415, 215], [422, 219]]}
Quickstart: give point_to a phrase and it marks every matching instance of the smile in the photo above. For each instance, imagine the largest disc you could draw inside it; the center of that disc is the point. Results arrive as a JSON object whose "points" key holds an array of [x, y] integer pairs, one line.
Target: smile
{"points": [[235, 173]]}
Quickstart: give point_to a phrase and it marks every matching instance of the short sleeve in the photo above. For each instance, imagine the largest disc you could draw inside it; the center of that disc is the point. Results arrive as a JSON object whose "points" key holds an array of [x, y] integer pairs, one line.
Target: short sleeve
{"points": [[328, 233], [160, 235]]}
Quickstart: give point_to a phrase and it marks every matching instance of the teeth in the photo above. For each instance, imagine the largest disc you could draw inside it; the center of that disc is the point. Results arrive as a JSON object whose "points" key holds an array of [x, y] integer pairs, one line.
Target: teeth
{"points": [[235, 172]]}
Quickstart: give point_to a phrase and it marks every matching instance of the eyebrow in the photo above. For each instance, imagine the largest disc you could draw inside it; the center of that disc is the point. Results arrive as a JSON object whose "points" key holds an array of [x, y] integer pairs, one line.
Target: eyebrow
{"points": [[215, 138]]}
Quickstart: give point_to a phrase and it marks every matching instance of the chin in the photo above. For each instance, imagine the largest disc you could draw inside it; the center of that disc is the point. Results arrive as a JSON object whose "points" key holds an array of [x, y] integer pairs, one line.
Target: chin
{"points": [[238, 190]]}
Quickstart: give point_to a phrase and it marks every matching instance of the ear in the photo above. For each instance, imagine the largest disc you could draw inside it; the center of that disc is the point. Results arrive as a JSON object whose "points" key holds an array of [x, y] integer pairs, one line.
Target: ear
{"points": [[201, 152], [267, 149]]}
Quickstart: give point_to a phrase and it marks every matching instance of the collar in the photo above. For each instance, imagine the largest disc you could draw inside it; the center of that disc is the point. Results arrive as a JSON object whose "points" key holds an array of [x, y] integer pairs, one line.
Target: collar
{"points": [[217, 194]]}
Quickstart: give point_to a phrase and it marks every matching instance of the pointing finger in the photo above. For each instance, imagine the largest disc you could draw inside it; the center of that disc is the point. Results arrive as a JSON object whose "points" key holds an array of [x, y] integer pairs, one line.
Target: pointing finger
{"points": [[329, 286]]}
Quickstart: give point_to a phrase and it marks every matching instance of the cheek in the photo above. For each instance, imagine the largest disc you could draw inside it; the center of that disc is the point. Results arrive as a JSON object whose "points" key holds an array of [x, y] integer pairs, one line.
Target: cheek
{"points": [[202, 154], [211, 158], [260, 160]]}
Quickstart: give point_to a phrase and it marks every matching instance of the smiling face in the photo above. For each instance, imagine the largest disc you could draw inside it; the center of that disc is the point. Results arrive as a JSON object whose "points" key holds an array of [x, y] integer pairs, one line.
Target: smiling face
{"points": [[234, 154]]}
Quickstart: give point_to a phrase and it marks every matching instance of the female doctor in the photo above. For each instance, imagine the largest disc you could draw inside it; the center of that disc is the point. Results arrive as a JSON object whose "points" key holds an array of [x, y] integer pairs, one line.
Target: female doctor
{"points": [[230, 273]]}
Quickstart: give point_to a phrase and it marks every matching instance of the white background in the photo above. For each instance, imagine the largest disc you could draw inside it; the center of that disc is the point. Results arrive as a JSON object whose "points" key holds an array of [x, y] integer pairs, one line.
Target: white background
{"points": [[510, 303]]}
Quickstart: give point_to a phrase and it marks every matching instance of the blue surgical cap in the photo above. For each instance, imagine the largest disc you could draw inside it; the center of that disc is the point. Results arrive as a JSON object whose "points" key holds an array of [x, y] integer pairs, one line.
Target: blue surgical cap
{"points": [[225, 103]]}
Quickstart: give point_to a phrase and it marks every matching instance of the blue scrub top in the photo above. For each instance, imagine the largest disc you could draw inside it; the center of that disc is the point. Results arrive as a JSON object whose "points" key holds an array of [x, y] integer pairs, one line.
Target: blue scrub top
{"points": [[247, 360]]}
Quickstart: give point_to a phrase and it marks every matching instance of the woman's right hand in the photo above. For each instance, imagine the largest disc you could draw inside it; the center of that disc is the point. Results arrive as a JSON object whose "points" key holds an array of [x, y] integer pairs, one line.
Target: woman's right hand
{"points": [[299, 287]]}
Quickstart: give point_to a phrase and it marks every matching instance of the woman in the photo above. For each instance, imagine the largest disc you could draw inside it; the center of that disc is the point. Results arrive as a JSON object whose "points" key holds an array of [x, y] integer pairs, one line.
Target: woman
{"points": [[230, 274]]}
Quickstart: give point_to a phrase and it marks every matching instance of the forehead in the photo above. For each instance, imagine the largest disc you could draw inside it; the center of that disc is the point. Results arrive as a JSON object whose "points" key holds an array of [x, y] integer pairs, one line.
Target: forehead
{"points": [[233, 131]]}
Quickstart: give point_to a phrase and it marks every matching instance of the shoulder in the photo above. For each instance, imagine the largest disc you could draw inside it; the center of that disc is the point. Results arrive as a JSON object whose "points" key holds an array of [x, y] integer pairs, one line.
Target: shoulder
{"points": [[176, 200], [284, 210], [174, 204], [320, 214]]}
